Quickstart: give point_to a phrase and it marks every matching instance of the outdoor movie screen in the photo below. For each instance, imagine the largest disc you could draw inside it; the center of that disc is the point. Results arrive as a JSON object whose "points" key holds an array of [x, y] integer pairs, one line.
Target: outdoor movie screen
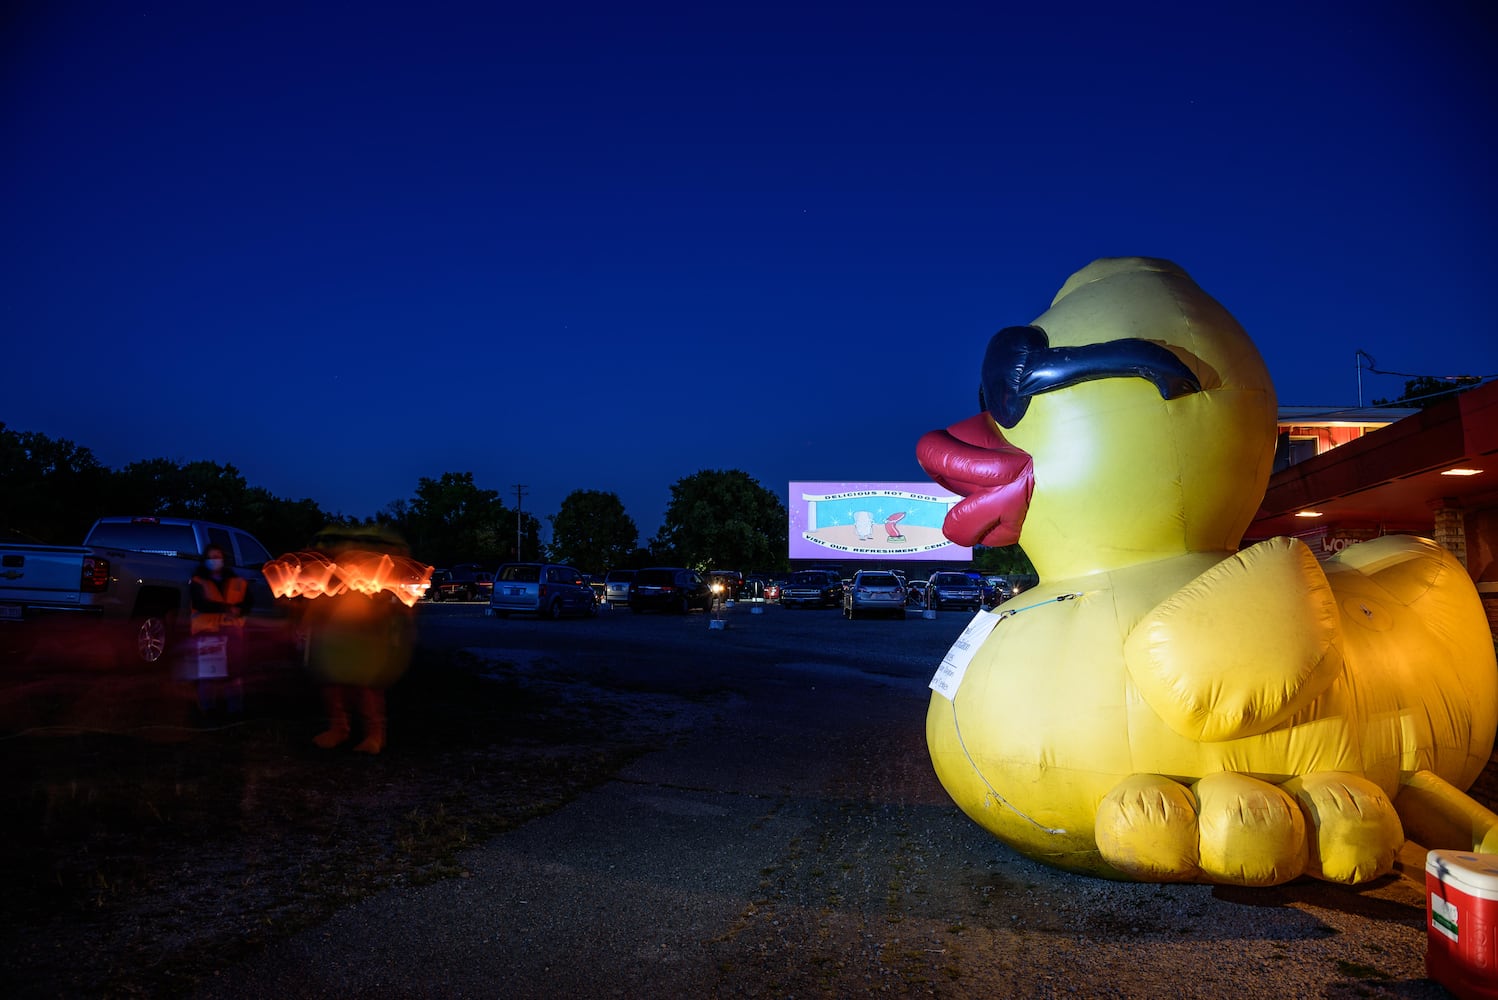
{"points": [[889, 522]]}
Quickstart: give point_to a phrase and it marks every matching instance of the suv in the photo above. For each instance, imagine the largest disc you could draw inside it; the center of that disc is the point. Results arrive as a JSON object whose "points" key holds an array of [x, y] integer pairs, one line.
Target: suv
{"points": [[545, 589], [953, 590], [812, 588], [669, 588], [877, 591]]}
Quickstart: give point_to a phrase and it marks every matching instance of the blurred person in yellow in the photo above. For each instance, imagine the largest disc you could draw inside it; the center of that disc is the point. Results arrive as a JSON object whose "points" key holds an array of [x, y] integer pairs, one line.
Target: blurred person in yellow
{"points": [[359, 622]]}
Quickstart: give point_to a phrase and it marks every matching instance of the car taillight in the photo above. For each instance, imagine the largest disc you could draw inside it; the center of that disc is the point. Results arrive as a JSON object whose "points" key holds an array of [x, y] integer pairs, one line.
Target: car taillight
{"points": [[95, 576], [542, 591]]}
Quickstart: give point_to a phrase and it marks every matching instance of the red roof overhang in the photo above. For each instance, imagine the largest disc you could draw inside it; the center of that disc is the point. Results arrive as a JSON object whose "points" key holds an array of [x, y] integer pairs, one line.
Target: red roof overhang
{"points": [[1390, 478]]}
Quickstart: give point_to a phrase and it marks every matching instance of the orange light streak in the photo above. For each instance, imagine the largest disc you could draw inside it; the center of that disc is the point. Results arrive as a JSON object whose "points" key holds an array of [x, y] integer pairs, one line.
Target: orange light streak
{"points": [[321, 574]]}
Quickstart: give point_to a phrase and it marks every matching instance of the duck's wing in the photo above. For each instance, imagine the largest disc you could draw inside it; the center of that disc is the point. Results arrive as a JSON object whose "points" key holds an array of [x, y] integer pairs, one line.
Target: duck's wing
{"points": [[1241, 648]]}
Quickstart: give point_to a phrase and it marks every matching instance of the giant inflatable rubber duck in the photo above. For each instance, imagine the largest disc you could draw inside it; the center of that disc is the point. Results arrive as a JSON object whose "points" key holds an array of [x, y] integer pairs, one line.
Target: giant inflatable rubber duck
{"points": [[1165, 707]]}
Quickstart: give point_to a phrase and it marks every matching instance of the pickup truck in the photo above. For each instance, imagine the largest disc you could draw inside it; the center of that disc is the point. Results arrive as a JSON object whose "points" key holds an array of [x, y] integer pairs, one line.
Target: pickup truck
{"points": [[129, 580], [464, 582]]}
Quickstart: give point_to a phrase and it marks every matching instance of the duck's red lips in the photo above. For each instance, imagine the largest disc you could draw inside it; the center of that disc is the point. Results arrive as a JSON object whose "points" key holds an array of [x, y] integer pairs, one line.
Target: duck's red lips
{"points": [[971, 458]]}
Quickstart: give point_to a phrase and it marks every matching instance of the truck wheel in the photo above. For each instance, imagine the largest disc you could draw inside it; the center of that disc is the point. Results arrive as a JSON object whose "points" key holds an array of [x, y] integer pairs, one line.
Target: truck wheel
{"points": [[149, 638]]}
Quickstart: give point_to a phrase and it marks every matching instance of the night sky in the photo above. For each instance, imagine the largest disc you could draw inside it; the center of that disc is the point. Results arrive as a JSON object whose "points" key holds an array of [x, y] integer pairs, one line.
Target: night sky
{"points": [[345, 246]]}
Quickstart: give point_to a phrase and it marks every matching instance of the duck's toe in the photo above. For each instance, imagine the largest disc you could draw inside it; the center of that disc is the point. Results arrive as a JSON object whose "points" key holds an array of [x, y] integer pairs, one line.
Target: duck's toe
{"points": [[1251, 832], [1146, 828], [1357, 832]]}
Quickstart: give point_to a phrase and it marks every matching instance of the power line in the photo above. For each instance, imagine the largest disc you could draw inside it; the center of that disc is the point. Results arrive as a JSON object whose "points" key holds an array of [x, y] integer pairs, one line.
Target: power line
{"points": [[1364, 355], [1462, 381]]}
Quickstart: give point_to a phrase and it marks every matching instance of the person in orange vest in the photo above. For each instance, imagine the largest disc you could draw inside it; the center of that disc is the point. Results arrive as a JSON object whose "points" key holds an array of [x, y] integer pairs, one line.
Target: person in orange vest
{"points": [[220, 597]]}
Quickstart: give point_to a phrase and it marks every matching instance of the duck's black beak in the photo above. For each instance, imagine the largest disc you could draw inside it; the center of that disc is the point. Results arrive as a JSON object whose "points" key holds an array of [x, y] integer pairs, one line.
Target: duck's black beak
{"points": [[1020, 363]]}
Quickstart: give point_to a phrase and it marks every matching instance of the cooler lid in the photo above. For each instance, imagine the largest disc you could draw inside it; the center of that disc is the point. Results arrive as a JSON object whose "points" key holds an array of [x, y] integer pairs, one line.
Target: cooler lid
{"points": [[1474, 874]]}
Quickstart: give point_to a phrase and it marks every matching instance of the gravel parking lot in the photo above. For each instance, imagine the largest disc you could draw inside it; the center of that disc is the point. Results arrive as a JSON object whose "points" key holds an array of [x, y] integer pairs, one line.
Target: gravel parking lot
{"points": [[648, 806]]}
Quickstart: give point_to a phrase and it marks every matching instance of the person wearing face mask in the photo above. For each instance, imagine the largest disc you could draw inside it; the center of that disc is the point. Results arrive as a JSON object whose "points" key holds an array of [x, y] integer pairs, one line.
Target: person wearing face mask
{"points": [[220, 598]]}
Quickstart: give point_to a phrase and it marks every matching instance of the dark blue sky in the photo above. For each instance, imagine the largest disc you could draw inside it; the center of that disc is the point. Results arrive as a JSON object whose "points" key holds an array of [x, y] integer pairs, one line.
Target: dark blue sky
{"points": [[577, 246]]}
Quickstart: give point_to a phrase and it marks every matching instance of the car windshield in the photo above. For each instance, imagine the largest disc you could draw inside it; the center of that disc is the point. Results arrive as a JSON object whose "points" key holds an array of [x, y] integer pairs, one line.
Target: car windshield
{"points": [[878, 580], [951, 580], [620, 576], [815, 579], [520, 574]]}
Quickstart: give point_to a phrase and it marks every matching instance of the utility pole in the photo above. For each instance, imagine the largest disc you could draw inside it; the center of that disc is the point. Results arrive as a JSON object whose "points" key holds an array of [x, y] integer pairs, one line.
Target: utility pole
{"points": [[519, 496]]}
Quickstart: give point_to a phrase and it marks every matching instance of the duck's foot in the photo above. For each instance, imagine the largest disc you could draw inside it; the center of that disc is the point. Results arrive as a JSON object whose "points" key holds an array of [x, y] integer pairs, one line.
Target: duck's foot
{"points": [[1233, 829]]}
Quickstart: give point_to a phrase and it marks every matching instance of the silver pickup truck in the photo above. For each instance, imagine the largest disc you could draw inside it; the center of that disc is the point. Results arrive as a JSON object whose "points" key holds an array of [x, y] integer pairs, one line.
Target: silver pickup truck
{"points": [[129, 580]]}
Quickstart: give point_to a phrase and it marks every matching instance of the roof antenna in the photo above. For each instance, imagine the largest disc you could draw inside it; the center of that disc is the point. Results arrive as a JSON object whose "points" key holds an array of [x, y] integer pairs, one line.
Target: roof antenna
{"points": [[1358, 357]]}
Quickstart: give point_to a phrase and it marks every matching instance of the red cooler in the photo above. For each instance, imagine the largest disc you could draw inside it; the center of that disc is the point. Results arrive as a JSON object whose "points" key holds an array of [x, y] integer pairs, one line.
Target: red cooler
{"points": [[1461, 920]]}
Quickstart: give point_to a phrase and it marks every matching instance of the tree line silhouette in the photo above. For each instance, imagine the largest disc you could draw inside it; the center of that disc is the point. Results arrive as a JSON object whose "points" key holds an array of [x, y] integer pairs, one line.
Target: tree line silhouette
{"points": [[52, 490]]}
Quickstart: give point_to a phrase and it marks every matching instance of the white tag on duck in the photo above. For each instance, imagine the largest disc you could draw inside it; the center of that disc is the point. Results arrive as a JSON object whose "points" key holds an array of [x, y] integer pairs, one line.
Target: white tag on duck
{"points": [[954, 664]]}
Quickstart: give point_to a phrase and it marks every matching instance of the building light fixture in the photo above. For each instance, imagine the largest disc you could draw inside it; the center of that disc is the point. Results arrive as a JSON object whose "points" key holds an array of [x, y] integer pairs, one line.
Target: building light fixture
{"points": [[1308, 513], [1462, 472]]}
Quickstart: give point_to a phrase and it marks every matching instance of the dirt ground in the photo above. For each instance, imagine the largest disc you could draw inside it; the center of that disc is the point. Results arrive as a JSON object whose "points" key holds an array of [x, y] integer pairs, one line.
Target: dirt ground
{"points": [[148, 842]]}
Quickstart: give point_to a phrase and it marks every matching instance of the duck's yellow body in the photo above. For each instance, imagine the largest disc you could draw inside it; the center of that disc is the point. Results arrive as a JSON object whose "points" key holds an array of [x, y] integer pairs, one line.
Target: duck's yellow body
{"points": [[1192, 712]]}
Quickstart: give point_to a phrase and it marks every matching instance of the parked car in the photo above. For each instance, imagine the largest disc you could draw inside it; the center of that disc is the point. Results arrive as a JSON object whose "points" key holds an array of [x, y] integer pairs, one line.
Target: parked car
{"points": [[915, 594], [464, 582], [953, 590], [874, 592], [616, 586], [596, 585], [1009, 586], [669, 588], [989, 593], [753, 589], [812, 588], [131, 581], [439, 584], [726, 583], [545, 589], [1002, 588], [481, 586], [772, 591]]}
